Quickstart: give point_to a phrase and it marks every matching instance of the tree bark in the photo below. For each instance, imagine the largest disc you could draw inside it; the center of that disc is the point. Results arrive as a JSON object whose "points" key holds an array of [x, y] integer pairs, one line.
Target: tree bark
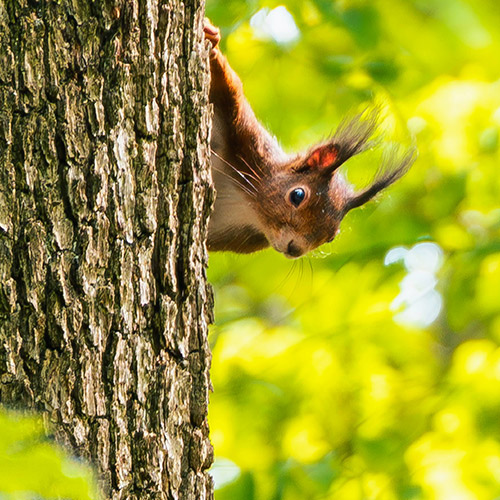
{"points": [[104, 198]]}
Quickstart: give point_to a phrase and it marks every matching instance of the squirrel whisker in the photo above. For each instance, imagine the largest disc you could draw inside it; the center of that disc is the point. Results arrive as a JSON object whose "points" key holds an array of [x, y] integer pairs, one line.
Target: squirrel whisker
{"points": [[235, 181], [256, 176], [241, 174]]}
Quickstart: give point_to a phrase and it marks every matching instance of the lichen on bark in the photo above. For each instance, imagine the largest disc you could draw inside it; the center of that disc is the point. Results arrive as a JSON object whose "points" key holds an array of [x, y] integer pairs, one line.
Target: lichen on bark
{"points": [[104, 197]]}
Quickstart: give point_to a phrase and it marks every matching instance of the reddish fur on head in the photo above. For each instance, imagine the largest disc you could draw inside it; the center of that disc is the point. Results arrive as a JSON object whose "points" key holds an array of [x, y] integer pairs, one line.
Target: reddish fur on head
{"points": [[323, 156], [297, 229]]}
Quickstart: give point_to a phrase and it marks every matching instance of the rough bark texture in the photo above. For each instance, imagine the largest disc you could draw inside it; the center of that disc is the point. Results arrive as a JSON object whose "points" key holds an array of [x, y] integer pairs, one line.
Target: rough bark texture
{"points": [[104, 195]]}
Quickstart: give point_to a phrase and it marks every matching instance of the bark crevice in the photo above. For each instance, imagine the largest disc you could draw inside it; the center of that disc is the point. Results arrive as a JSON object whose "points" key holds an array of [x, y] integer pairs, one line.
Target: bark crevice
{"points": [[104, 196]]}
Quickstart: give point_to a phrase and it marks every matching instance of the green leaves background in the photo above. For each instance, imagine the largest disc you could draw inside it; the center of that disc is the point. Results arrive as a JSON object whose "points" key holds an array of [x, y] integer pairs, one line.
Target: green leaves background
{"points": [[334, 376]]}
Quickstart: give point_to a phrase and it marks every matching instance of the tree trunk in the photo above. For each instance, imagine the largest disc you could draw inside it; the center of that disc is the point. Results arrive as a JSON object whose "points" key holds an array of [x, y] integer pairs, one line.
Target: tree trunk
{"points": [[104, 197]]}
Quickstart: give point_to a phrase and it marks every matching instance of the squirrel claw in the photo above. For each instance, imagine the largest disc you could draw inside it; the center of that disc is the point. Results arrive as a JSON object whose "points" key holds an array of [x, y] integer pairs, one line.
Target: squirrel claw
{"points": [[211, 33]]}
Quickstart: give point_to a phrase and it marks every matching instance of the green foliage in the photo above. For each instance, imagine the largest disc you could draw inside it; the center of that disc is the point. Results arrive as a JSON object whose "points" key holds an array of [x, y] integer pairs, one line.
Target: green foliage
{"points": [[34, 468], [333, 376]]}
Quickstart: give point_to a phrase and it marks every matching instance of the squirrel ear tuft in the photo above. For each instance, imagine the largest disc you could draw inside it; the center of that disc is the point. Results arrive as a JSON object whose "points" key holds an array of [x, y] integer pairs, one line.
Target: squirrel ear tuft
{"points": [[323, 157]]}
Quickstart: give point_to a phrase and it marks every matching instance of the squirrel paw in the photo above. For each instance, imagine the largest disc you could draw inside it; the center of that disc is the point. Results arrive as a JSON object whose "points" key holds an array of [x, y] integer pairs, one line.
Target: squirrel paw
{"points": [[211, 33]]}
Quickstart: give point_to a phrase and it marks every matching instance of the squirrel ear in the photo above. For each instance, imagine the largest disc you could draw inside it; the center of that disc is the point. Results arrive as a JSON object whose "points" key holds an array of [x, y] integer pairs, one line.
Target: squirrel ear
{"points": [[324, 157]]}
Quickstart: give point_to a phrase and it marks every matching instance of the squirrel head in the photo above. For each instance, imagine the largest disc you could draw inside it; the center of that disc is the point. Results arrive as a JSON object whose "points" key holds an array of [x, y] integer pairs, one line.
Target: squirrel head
{"points": [[301, 203]]}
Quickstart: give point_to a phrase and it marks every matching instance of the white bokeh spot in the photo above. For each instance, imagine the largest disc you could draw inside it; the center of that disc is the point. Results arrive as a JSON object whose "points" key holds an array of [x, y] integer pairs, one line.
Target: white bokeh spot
{"points": [[223, 472], [418, 302], [276, 24]]}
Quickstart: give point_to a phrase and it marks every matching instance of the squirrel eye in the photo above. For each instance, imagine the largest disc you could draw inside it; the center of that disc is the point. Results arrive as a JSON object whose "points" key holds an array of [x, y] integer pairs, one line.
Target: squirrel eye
{"points": [[297, 196]]}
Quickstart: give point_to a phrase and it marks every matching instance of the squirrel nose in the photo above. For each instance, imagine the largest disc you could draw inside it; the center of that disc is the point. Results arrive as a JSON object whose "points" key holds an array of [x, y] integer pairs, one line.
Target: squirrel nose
{"points": [[293, 250]]}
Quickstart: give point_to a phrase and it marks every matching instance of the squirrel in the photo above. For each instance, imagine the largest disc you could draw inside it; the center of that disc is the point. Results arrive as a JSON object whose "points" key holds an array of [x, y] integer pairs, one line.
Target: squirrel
{"points": [[265, 197]]}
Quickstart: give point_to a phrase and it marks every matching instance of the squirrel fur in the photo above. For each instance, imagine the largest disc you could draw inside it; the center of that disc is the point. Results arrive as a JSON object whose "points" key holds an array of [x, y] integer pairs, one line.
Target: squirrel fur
{"points": [[265, 197]]}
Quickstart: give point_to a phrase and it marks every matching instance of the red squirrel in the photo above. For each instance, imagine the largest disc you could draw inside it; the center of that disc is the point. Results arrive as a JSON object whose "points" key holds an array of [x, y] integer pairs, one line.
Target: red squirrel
{"points": [[265, 197]]}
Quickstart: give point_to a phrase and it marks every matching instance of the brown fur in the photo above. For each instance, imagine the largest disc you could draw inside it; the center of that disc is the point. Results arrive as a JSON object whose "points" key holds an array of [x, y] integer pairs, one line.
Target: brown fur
{"points": [[254, 177]]}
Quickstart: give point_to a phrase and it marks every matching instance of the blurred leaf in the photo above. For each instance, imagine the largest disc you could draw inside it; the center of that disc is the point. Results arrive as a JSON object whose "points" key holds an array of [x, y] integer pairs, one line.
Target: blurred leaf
{"points": [[32, 467], [363, 24], [243, 488]]}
